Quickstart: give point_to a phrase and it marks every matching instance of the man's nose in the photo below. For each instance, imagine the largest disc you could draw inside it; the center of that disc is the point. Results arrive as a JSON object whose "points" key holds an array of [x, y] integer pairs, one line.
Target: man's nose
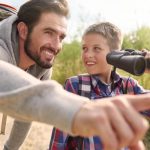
{"points": [[56, 44]]}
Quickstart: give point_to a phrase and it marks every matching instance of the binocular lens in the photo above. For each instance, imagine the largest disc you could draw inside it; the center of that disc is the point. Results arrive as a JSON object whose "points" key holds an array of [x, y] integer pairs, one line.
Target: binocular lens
{"points": [[139, 67], [134, 64]]}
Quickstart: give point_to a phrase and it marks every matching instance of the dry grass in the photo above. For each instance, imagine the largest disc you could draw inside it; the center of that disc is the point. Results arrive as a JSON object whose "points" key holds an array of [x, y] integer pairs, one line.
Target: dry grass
{"points": [[38, 138]]}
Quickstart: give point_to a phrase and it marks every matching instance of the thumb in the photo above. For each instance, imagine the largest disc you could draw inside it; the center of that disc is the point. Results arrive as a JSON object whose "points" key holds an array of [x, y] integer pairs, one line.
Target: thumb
{"points": [[138, 146]]}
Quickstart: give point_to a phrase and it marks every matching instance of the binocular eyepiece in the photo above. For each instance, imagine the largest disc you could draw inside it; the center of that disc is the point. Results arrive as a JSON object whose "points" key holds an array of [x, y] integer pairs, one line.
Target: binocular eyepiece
{"points": [[132, 61]]}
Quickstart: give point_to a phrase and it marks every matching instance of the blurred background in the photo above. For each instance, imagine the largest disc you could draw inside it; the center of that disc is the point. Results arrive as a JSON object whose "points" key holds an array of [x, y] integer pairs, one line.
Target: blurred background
{"points": [[131, 16]]}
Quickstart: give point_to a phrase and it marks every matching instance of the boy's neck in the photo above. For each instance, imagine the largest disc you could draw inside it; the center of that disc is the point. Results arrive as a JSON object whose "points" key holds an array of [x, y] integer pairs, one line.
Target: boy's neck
{"points": [[106, 78]]}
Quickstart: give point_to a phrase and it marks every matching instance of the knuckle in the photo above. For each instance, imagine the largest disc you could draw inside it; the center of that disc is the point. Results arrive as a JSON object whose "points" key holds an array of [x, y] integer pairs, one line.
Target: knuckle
{"points": [[100, 117], [122, 104], [142, 126], [126, 139], [110, 108]]}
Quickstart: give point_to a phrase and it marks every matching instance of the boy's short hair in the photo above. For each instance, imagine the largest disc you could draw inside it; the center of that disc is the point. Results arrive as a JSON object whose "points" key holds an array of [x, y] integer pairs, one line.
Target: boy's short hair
{"points": [[109, 31]]}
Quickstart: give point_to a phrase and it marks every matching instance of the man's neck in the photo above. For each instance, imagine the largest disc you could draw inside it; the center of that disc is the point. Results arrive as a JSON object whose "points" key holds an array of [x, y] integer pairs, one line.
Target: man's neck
{"points": [[24, 60], [106, 77], [24, 64]]}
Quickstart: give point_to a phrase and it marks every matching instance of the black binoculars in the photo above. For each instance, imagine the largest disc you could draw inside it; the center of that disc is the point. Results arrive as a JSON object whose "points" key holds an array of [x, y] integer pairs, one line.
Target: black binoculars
{"points": [[132, 61]]}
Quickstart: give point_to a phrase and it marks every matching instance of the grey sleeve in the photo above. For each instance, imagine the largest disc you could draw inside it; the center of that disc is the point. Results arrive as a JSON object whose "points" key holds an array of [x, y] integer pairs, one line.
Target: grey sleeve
{"points": [[4, 55], [25, 97], [20, 129], [17, 136]]}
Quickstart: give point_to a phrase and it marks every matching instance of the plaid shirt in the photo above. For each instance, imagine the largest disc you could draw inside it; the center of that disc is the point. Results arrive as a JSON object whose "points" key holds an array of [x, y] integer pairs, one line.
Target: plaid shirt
{"points": [[92, 88]]}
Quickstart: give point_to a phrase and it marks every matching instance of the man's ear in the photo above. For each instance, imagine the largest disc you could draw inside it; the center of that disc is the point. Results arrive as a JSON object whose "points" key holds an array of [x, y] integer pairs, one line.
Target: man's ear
{"points": [[23, 30]]}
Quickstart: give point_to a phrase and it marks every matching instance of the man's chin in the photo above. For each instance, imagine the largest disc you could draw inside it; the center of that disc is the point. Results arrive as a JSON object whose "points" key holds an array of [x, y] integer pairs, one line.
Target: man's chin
{"points": [[45, 66]]}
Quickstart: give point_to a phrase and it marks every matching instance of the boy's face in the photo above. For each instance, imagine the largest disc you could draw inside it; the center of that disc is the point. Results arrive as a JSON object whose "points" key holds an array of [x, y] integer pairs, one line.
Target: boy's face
{"points": [[45, 41], [94, 51]]}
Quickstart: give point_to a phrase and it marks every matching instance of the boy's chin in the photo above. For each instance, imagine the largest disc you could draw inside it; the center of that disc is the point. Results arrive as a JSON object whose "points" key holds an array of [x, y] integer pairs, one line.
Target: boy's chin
{"points": [[93, 73]]}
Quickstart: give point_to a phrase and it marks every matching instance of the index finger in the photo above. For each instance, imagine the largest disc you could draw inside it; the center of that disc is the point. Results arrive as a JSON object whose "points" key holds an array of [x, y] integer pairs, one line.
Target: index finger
{"points": [[139, 102]]}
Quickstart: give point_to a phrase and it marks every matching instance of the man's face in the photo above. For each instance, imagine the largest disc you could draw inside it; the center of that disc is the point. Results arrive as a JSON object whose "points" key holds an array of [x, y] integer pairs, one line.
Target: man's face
{"points": [[45, 41]]}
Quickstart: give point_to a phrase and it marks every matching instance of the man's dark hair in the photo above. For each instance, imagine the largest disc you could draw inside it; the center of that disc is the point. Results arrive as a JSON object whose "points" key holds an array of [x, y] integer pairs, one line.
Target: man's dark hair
{"points": [[31, 11]]}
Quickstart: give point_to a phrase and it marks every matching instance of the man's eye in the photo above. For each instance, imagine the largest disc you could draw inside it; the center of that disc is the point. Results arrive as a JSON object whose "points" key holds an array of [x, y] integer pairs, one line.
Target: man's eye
{"points": [[62, 37], [49, 32]]}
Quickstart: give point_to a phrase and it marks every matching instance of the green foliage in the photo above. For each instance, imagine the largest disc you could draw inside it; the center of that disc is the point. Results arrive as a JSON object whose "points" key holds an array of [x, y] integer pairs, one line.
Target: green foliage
{"points": [[68, 63], [138, 39]]}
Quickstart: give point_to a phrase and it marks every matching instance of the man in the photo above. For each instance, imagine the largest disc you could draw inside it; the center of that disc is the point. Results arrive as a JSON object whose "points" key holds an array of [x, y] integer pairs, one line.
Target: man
{"points": [[46, 44], [31, 40]]}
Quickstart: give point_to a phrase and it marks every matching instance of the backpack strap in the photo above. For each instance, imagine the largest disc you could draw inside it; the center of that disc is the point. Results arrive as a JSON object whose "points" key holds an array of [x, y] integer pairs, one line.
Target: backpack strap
{"points": [[84, 89], [127, 86], [84, 85]]}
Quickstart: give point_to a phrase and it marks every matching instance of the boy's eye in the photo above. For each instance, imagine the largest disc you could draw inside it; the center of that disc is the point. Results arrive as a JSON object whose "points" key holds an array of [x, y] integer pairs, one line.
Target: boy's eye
{"points": [[97, 49], [84, 49]]}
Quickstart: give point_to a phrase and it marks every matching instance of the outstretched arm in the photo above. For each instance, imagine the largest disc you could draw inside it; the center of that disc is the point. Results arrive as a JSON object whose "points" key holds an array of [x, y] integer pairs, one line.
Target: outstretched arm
{"points": [[115, 117], [25, 97]]}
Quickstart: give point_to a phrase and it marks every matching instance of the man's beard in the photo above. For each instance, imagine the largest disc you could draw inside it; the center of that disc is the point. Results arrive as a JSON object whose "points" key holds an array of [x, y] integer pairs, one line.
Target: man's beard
{"points": [[34, 56]]}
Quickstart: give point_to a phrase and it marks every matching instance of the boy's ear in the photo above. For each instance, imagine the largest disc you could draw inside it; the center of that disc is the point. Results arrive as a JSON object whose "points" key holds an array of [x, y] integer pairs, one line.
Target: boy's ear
{"points": [[23, 30]]}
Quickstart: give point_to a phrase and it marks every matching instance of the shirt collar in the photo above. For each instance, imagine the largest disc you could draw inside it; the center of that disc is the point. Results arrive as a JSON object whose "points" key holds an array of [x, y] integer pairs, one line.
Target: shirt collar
{"points": [[95, 80]]}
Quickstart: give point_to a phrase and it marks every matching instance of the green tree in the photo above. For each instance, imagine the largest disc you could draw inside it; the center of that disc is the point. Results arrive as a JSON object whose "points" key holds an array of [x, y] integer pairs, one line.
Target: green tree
{"points": [[68, 62], [138, 39]]}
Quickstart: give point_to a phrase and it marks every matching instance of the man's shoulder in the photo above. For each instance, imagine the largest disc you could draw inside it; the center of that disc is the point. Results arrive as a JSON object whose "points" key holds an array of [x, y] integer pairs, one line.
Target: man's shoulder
{"points": [[40, 73], [4, 53]]}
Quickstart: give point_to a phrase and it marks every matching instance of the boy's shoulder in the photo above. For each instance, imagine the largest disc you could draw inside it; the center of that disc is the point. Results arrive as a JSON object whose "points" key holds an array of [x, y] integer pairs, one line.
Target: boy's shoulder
{"points": [[76, 79], [79, 84], [129, 79]]}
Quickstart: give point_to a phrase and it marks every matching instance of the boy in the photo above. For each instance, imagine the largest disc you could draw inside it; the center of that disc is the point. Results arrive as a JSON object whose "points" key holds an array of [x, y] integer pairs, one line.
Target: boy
{"points": [[97, 41]]}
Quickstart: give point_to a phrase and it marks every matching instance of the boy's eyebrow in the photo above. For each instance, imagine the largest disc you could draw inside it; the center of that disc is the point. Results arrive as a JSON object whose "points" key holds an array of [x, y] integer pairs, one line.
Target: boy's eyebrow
{"points": [[96, 44]]}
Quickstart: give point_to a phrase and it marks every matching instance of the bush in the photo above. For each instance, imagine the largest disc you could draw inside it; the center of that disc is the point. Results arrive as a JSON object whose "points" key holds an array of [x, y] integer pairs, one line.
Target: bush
{"points": [[68, 63]]}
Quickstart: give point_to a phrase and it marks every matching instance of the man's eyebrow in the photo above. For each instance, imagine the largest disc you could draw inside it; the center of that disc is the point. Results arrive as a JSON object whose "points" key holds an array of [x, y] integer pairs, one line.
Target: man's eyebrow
{"points": [[55, 31], [49, 29]]}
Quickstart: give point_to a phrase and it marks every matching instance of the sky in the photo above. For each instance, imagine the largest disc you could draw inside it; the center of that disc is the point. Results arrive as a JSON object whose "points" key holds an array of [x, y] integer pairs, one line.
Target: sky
{"points": [[128, 15]]}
